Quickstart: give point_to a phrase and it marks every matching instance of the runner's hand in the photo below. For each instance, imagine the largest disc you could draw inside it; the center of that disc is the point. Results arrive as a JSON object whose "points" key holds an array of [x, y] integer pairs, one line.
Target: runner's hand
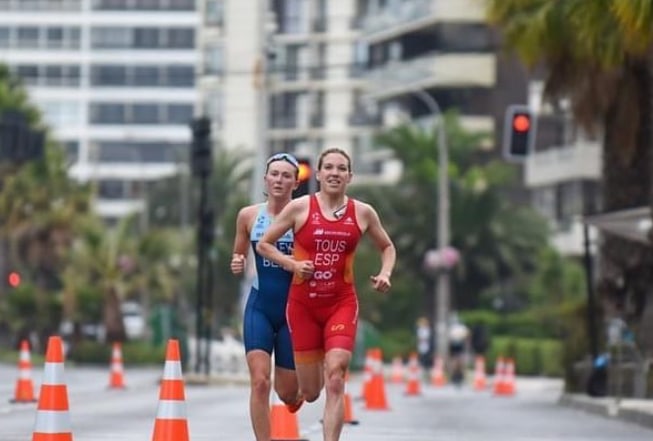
{"points": [[381, 282], [237, 264], [304, 269]]}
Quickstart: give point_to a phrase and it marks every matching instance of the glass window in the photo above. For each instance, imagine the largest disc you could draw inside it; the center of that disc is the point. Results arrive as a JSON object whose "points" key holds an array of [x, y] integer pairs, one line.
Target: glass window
{"points": [[111, 189], [181, 5], [54, 37], [71, 149], [180, 113], [108, 75], [71, 76], [146, 38], [180, 38], [146, 76], [145, 114], [73, 41], [213, 60], [54, 75], [61, 113], [110, 4], [214, 12], [111, 38], [28, 37], [181, 76], [29, 73], [4, 37], [147, 4], [107, 113]]}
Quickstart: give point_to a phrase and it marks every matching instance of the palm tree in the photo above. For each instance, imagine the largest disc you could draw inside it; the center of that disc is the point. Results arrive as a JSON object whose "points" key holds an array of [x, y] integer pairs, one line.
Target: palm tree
{"points": [[497, 241], [598, 54], [105, 257]]}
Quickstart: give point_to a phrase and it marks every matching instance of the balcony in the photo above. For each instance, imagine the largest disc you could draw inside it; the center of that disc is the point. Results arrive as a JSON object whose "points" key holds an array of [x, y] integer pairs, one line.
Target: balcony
{"points": [[404, 16], [432, 71], [579, 161]]}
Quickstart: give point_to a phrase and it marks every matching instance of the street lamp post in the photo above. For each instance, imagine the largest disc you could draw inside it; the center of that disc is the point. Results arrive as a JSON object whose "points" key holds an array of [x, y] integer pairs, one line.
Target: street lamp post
{"points": [[441, 292], [442, 288]]}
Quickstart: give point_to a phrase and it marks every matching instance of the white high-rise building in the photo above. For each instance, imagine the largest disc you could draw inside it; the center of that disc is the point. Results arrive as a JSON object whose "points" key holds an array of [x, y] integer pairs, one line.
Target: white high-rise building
{"points": [[312, 81], [115, 80]]}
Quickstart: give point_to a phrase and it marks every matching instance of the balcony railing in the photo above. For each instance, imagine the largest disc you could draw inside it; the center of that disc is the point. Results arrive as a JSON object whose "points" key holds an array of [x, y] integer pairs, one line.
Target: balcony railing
{"points": [[578, 161], [396, 15]]}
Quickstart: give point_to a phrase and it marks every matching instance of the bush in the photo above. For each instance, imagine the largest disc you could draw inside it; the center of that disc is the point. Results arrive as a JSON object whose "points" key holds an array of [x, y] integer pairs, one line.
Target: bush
{"points": [[134, 353], [531, 356]]}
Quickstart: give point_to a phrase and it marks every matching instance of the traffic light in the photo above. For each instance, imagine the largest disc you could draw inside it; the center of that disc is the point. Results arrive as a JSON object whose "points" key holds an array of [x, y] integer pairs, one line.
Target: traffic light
{"points": [[13, 279], [518, 133], [201, 155], [304, 177]]}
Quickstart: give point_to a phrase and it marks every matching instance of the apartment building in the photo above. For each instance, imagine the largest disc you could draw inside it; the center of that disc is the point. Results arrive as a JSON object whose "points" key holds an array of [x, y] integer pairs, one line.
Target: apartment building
{"points": [[115, 80], [440, 47], [563, 174], [310, 82]]}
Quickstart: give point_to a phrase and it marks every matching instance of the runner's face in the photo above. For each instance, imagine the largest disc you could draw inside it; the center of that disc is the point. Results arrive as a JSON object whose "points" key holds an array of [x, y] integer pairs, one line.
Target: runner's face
{"points": [[280, 180], [334, 175]]}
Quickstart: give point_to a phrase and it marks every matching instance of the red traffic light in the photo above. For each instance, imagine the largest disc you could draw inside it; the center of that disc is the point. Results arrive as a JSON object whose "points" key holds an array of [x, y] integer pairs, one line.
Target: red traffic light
{"points": [[13, 279], [304, 172], [521, 123]]}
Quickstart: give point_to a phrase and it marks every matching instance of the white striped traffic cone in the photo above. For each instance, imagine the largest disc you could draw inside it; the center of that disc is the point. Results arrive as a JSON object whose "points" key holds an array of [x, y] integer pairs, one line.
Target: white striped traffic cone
{"points": [[171, 423], [116, 377], [24, 391], [52, 418]]}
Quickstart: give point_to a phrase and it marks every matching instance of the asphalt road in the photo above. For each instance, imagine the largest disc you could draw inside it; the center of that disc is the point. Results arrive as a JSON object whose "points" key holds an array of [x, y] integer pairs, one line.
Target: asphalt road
{"points": [[220, 412]]}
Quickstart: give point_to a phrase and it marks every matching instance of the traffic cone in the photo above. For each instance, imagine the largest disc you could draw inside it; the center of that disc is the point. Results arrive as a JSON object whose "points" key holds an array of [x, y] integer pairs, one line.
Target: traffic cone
{"points": [[480, 381], [349, 412], [499, 376], [24, 391], [52, 418], [397, 372], [171, 423], [284, 425], [437, 373], [116, 377], [376, 399], [509, 378], [413, 385]]}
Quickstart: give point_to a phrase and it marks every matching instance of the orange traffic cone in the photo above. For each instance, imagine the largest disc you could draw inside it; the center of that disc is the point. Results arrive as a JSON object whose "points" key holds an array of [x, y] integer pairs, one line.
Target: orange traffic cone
{"points": [[171, 423], [283, 424], [397, 372], [509, 378], [52, 418], [376, 399], [116, 377], [413, 385], [437, 373], [499, 376], [24, 392], [480, 381], [349, 412]]}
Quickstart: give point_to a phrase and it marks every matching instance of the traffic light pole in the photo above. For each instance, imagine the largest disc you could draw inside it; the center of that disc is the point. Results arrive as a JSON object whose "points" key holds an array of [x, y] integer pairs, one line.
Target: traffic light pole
{"points": [[201, 165]]}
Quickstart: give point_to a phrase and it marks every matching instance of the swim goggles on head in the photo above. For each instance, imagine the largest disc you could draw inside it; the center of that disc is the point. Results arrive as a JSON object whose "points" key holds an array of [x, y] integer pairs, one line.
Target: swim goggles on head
{"points": [[283, 157]]}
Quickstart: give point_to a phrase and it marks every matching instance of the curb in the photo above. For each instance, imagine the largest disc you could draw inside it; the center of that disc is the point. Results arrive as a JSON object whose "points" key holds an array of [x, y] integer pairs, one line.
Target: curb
{"points": [[606, 407]]}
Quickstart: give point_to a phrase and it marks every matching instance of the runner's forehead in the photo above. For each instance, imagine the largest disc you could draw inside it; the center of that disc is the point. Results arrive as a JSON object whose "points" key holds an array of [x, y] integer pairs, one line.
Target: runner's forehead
{"points": [[334, 159], [281, 166]]}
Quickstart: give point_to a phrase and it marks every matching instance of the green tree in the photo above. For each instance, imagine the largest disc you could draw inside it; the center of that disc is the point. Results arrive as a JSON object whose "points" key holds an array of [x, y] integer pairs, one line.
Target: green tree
{"points": [[39, 206], [598, 55], [227, 194], [496, 240], [105, 257]]}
